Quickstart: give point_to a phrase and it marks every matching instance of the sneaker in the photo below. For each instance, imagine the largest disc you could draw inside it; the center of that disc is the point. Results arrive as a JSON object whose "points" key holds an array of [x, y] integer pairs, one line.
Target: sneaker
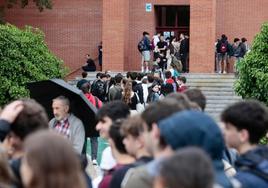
{"points": [[219, 72], [94, 162], [224, 72]]}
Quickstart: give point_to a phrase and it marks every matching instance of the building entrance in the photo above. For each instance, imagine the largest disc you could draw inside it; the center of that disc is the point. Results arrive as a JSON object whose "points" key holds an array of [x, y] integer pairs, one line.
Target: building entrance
{"points": [[172, 20]]}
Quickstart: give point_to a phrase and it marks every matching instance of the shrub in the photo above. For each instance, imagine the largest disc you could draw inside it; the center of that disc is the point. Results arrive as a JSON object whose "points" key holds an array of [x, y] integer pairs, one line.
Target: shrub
{"points": [[24, 57], [253, 69]]}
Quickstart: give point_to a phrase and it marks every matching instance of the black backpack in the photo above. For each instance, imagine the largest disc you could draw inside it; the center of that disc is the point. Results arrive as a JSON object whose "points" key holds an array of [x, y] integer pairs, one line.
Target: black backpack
{"points": [[98, 89], [141, 46], [223, 47]]}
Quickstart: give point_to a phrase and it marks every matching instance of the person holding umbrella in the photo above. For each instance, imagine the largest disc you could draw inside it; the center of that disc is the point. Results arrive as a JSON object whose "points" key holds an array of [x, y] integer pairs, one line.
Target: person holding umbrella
{"points": [[67, 124]]}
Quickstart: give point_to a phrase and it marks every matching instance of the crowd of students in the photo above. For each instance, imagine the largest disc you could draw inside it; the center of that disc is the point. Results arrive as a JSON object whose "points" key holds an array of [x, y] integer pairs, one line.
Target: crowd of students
{"points": [[171, 142]]}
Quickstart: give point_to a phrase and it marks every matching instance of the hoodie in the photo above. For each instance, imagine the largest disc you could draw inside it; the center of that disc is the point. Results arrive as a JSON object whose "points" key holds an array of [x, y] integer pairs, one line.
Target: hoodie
{"points": [[252, 168], [192, 128]]}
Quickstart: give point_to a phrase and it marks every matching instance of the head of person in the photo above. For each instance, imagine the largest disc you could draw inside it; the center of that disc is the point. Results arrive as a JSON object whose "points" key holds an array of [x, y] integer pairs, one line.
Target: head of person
{"points": [[118, 78], [182, 80], [187, 168], [182, 36], [243, 40], [104, 77], [50, 161], [168, 74], [224, 37], [85, 88], [193, 128], [152, 115], [32, 118], [140, 75], [98, 75], [84, 74], [87, 56], [196, 95], [162, 38], [145, 34], [116, 138], [156, 87], [245, 123], [132, 129], [133, 75], [166, 89], [236, 40], [109, 113], [180, 98], [60, 107]]}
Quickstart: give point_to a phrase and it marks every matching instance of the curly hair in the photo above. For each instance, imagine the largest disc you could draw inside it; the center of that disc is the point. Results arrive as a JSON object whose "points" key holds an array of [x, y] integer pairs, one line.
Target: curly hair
{"points": [[127, 91]]}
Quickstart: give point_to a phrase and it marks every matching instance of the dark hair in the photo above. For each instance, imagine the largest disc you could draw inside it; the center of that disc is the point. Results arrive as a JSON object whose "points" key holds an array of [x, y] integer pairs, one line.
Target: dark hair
{"points": [[98, 74], [188, 168], [33, 117], [85, 87], [167, 89], [84, 74], [133, 126], [168, 74], [196, 95], [160, 110], [115, 110], [116, 136], [47, 153], [182, 78], [236, 39], [133, 75], [223, 36], [140, 76], [103, 76], [118, 78], [250, 115], [150, 78], [145, 33], [243, 39]]}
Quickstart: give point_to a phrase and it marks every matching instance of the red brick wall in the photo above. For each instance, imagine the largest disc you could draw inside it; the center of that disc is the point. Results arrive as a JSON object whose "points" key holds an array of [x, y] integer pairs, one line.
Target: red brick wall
{"points": [[202, 35], [240, 18], [72, 28], [115, 34]]}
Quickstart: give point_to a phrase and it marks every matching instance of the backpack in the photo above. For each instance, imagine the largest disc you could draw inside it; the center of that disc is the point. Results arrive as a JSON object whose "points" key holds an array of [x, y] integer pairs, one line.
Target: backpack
{"points": [[223, 47], [98, 89], [141, 46]]}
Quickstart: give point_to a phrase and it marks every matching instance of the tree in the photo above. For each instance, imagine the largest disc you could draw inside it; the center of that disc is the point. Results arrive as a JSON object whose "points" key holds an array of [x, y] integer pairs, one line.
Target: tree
{"points": [[253, 69], [40, 4], [24, 58]]}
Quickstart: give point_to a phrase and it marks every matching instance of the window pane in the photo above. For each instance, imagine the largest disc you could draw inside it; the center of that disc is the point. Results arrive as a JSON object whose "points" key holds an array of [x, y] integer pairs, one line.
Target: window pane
{"points": [[183, 16], [170, 16]]}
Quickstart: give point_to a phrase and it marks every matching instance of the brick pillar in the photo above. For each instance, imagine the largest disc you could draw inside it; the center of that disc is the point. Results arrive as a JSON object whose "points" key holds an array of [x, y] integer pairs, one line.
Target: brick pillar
{"points": [[202, 35], [115, 33]]}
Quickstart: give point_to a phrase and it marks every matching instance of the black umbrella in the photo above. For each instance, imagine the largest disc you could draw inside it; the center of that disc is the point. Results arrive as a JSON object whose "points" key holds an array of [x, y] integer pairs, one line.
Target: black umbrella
{"points": [[45, 91]]}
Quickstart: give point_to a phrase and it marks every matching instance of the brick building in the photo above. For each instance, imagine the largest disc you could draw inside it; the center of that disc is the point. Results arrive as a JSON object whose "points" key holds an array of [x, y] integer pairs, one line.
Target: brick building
{"points": [[74, 28]]}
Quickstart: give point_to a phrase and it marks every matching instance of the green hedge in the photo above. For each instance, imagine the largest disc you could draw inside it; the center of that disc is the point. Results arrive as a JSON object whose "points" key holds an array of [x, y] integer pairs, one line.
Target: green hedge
{"points": [[24, 57], [253, 69]]}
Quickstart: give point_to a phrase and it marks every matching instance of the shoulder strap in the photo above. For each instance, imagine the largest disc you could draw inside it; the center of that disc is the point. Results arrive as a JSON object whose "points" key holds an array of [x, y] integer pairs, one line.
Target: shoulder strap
{"points": [[138, 99], [96, 102]]}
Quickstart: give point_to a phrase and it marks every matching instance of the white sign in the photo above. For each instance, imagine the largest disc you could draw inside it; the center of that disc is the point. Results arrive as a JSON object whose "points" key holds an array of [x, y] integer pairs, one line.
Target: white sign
{"points": [[148, 7]]}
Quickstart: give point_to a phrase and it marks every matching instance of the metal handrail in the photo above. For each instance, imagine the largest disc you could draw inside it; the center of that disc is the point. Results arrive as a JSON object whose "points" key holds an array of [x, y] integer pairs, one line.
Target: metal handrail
{"points": [[77, 69]]}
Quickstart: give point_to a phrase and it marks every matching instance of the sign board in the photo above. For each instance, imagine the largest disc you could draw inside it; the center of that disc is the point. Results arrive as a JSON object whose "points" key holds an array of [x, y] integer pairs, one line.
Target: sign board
{"points": [[148, 7]]}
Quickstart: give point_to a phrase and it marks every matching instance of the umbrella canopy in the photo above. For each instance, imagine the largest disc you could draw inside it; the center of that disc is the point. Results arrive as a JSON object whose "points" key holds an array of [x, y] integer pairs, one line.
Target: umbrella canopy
{"points": [[45, 91]]}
